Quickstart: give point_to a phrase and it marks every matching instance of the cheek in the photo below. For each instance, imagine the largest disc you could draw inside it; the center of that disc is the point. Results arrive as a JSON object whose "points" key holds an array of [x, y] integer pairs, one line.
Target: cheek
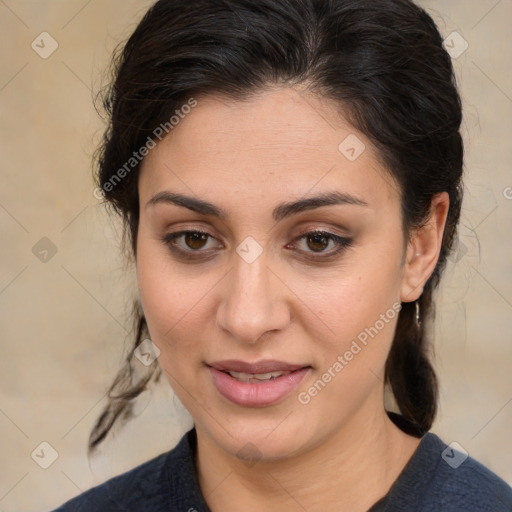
{"points": [[178, 304], [359, 321], [169, 297], [358, 308]]}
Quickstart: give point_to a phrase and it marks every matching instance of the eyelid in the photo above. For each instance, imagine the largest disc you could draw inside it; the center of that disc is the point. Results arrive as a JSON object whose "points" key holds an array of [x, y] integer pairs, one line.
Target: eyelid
{"points": [[315, 228]]}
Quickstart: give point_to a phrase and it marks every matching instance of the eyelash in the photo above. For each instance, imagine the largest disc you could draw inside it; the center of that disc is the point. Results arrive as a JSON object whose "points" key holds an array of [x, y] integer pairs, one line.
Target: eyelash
{"points": [[342, 243]]}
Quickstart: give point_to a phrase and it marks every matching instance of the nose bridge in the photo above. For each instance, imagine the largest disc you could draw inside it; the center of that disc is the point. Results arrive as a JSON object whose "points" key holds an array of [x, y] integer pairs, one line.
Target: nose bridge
{"points": [[252, 303]]}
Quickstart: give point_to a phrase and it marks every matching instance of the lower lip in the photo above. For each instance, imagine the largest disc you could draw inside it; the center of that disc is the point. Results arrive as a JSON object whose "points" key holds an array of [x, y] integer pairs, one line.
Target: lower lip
{"points": [[256, 394]]}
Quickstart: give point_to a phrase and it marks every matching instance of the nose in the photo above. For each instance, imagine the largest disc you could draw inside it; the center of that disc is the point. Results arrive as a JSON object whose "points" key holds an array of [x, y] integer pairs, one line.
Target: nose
{"points": [[253, 301]]}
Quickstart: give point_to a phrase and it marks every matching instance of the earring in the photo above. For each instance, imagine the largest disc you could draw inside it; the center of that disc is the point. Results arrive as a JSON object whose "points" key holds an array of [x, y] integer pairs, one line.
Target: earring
{"points": [[418, 321]]}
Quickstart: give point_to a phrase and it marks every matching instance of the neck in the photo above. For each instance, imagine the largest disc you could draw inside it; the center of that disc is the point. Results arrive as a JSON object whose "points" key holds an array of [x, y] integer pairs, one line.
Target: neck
{"points": [[349, 471]]}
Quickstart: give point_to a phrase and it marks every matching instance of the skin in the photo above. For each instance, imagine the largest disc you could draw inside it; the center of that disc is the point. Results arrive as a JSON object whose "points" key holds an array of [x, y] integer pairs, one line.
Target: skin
{"points": [[340, 451]]}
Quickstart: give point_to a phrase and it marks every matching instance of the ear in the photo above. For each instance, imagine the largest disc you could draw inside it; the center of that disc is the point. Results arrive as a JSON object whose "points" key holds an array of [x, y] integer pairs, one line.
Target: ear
{"points": [[423, 249]]}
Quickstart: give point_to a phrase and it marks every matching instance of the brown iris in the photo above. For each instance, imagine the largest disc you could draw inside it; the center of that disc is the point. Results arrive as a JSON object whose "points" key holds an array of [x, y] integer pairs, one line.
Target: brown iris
{"points": [[318, 242], [196, 240]]}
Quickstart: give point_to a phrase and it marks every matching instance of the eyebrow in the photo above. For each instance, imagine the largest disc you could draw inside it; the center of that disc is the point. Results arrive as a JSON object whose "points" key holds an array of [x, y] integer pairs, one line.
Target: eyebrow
{"points": [[279, 213]]}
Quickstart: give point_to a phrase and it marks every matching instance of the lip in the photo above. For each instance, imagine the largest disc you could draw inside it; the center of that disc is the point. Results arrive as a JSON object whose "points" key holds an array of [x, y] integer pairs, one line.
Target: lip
{"points": [[256, 394], [264, 366]]}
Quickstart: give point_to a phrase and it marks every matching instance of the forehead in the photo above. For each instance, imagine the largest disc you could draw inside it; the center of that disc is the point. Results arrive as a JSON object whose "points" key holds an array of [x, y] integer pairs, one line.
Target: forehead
{"points": [[279, 143]]}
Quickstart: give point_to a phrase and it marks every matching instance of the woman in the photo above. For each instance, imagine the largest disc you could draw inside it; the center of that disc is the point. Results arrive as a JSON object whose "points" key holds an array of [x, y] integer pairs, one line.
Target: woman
{"points": [[289, 174]]}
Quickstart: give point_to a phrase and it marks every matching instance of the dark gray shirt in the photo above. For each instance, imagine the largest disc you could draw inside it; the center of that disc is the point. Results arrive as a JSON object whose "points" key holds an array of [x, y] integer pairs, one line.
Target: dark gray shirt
{"points": [[436, 479]]}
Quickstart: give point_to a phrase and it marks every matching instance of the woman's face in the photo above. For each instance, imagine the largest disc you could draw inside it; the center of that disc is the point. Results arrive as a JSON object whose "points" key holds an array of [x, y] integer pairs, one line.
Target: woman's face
{"points": [[303, 322]]}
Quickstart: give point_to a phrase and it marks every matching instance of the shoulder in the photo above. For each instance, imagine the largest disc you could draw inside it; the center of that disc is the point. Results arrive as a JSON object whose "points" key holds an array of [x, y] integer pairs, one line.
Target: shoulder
{"points": [[442, 477], [164, 483]]}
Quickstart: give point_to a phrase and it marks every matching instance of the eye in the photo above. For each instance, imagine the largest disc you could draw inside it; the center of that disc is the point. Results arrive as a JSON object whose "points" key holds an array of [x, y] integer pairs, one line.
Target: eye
{"points": [[319, 241], [192, 241]]}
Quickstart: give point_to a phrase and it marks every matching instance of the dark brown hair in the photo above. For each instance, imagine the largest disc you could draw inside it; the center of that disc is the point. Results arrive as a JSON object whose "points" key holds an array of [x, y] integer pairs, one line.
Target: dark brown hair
{"points": [[381, 61]]}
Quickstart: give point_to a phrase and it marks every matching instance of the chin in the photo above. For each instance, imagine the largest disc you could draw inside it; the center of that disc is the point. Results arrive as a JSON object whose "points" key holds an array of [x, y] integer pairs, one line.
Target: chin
{"points": [[262, 435]]}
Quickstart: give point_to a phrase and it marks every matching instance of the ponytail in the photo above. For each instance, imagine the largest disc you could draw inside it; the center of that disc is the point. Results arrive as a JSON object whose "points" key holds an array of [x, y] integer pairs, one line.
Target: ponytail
{"points": [[409, 370], [131, 380]]}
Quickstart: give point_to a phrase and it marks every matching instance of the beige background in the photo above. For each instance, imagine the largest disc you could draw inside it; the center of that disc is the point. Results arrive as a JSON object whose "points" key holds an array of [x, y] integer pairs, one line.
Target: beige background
{"points": [[63, 322]]}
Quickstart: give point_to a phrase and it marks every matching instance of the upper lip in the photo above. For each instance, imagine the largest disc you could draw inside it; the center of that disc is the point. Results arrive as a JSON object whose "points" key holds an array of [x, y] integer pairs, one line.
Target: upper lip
{"points": [[265, 366]]}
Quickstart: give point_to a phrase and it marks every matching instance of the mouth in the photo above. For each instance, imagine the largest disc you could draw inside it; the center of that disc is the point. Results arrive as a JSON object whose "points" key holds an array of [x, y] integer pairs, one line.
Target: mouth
{"points": [[256, 384], [256, 377]]}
